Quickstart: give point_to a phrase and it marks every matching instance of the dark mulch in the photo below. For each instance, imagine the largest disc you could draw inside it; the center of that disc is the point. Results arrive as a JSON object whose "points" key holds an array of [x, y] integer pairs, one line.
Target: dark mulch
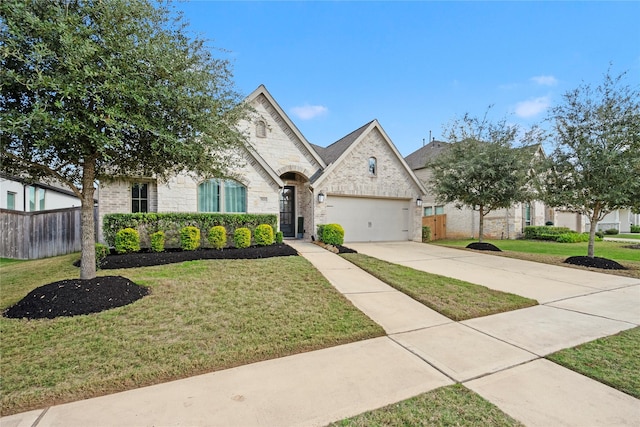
{"points": [[483, 247], [345, 250], [632, 246], [596, 262], [146, 259], [74, 297]]}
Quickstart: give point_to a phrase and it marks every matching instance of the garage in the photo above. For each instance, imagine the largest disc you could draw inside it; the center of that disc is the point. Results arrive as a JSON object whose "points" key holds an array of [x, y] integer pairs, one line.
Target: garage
{"points": [[370, 219]]}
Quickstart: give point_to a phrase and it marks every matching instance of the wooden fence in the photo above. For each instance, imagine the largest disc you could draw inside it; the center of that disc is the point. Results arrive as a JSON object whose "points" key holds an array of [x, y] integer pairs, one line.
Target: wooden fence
{"points": [[438, 225], [32, 235]]}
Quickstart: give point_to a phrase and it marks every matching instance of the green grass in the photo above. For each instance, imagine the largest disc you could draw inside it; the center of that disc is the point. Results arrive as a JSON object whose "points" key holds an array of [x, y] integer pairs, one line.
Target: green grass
{"points": [[8, 261], [555, 253], [611, 360], [455, 299], [200, 316], [454, 405], [627, 236]]}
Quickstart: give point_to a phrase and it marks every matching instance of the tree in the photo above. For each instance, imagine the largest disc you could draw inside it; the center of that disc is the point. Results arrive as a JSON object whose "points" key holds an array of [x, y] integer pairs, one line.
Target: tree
{"points": [[481, 169], [595, 167], [96, 89]]}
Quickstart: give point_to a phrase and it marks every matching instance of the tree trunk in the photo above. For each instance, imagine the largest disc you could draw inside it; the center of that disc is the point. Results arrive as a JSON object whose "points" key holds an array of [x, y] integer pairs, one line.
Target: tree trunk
{"points": [[592, 231], [88, 258], [481, 225]]}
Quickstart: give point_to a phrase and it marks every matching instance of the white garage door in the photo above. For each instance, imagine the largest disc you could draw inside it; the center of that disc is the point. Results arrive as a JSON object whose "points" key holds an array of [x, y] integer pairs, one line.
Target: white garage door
{"points": [[367, 220]]}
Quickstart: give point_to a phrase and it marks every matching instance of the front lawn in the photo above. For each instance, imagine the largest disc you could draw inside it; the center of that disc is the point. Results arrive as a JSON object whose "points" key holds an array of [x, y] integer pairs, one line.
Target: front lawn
{"points": [[453, 405], [455, 299], [611, 360], [200, 316], [555, 253]]}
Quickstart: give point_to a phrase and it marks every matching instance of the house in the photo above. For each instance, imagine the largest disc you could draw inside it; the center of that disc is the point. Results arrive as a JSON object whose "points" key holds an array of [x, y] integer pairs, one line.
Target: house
{"points": [[17, 194], [463, 223], [360, 182]]}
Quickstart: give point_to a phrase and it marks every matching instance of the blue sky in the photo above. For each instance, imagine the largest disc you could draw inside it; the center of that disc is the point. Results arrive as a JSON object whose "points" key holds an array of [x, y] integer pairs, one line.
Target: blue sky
{"points": [[415, 66]]}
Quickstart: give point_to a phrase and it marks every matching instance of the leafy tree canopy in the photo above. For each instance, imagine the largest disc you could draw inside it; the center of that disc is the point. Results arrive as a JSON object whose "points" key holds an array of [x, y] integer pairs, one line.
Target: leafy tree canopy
{"points": [[481, 169], [94, 89], [595, 167]]}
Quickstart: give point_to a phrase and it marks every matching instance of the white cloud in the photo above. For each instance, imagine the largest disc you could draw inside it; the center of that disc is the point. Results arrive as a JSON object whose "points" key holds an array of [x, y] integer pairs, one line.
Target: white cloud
{"points": [[545, 80], [308, 112], [532, 107]]}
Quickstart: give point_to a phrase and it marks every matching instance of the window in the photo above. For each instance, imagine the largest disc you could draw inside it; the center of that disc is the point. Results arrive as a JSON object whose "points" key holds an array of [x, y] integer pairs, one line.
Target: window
{"points": [[373, 166], [36, 199], [527, 214], [11, 200], [261, 129], [216, 195], [431, 210], [139, 197]]}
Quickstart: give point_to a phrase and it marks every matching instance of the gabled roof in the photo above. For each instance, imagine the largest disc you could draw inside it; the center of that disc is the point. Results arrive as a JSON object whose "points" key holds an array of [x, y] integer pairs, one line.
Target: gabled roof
{"points": [[341, 148], [262, 90], [418, 159], [331, 153]]}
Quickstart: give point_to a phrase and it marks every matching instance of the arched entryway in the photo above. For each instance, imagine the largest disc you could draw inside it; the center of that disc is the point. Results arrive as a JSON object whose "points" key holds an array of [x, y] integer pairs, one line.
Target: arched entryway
{"points": [[295, 206]]}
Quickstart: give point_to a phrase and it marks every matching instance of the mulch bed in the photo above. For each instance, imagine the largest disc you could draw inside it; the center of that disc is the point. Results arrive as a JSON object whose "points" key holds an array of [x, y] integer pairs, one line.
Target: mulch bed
{"points": [[146, 259], [597, 262], [483, 247], [76, 297]]}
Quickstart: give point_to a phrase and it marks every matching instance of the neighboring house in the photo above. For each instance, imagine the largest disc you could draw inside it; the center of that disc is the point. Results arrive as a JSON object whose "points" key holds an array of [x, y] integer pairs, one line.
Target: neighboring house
{"points": [[17, 194], [463, 223], [360, 182], [620, 219]]}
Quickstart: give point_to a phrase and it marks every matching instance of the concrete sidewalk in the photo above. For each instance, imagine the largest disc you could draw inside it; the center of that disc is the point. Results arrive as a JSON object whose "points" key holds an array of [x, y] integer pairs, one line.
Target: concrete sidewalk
{"points": [[496, 356]]}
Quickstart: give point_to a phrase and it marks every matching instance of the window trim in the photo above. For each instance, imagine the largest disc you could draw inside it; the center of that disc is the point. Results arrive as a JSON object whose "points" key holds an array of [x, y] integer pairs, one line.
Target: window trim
{"points": [[261, 129]]}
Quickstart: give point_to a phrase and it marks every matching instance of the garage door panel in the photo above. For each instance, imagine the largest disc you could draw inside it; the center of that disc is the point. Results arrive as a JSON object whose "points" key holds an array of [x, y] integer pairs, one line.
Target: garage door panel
{"points": [[367, 219]]}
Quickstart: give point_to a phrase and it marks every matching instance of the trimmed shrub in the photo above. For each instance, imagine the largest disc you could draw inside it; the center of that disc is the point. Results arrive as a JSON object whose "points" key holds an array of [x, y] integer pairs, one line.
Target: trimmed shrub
{"points": [[127, 240], [263, 235], [611, 231], [544, 232], [426, 234], [101, 253], [279, 237], [242, 237], [600, 234], [320, 231], [217, 237], [189, 238], [172, 223], [572, 237], [157, 241], [333, 234], [635, 228]]}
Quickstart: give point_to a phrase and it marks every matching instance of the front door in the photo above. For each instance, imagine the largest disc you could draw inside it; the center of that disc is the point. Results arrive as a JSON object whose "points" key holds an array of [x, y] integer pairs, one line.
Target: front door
{"points": [[287, 211]]}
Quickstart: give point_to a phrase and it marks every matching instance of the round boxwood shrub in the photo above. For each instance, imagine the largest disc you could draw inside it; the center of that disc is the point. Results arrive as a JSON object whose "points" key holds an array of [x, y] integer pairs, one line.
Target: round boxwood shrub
{"points": [[189, 238], [127, 240], [157, 241], [217, 237], [279, 237], [333, 234], [263, 235], [242, 237], [611, 231]]}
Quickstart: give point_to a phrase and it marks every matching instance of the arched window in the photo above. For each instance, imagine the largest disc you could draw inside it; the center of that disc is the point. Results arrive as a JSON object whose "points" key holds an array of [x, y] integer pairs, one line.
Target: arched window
{"points": [[261, 129], [373, 166], [217, 195]]}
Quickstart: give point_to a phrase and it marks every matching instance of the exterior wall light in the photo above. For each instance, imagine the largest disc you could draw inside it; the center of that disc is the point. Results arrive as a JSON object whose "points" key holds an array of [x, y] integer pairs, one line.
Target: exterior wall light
{"points": [[321, 197], [419, 202]]}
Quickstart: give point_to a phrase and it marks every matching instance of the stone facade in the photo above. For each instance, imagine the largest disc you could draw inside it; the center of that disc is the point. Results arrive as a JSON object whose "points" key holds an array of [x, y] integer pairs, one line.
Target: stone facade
{"points": [[278, 156]]}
